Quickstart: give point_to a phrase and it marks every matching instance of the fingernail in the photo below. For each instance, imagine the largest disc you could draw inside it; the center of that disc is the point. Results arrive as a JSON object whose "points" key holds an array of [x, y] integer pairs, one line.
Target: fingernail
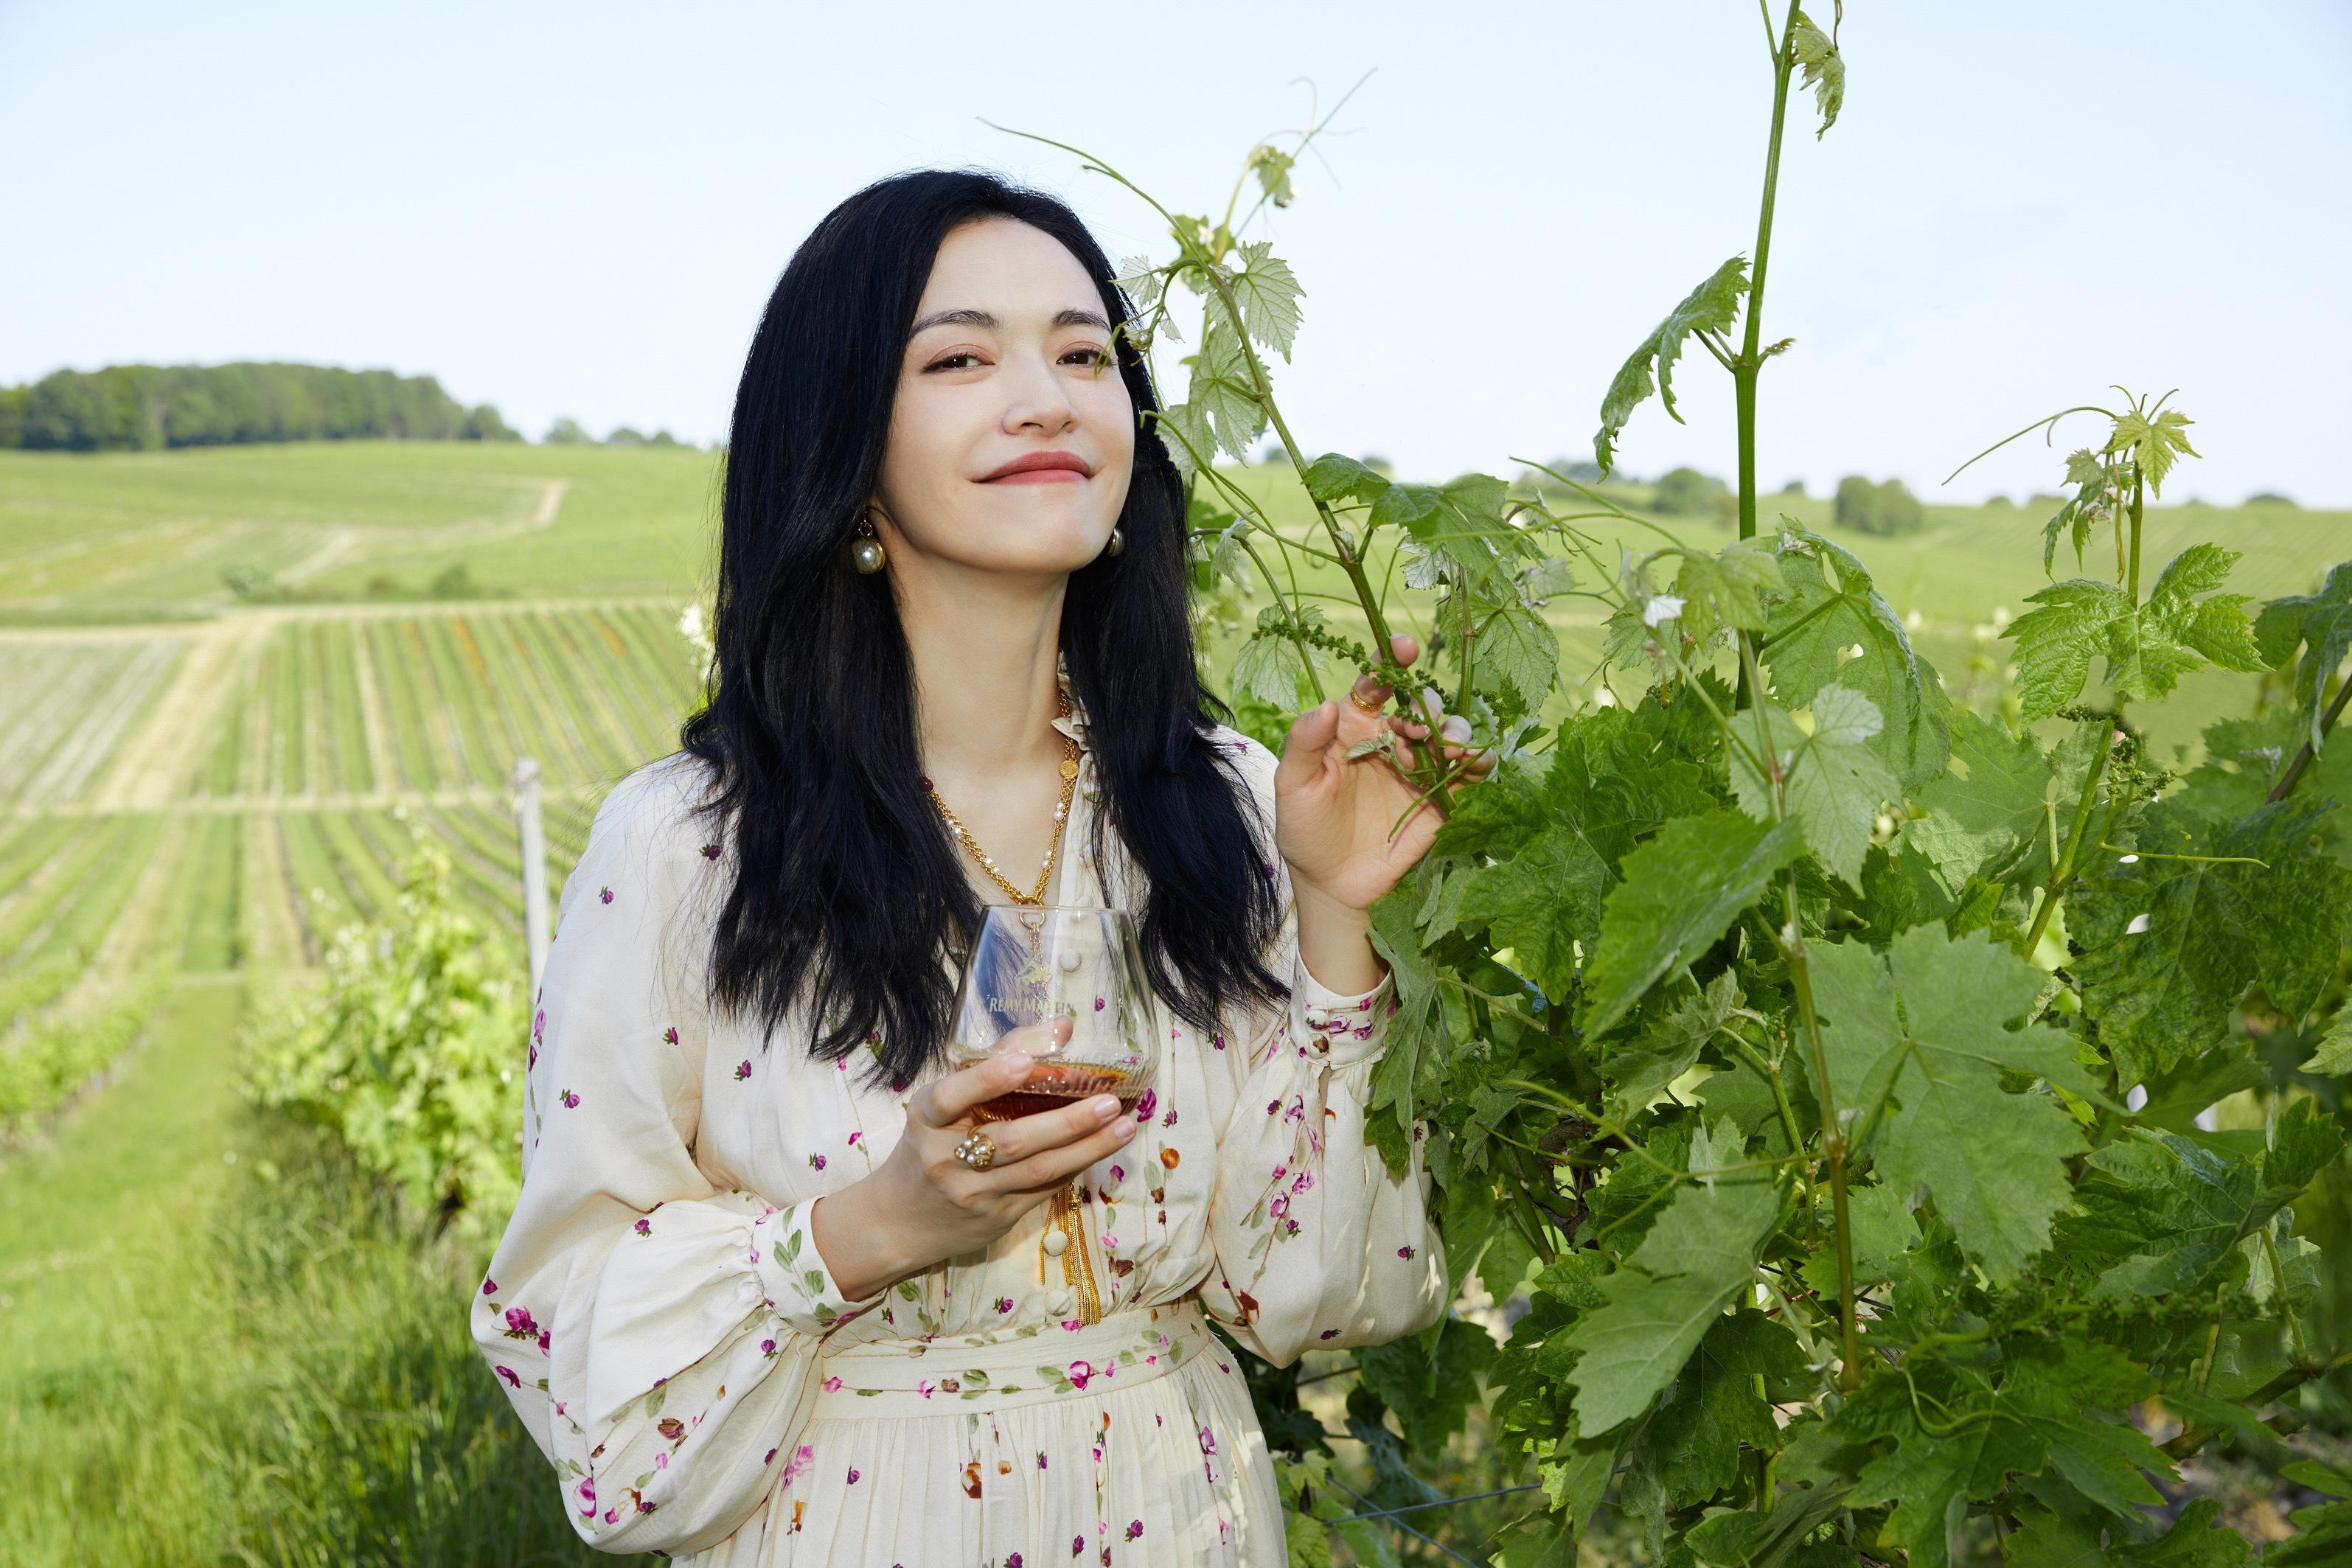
{"points": [[1126, 1129], [1104, 1105]]}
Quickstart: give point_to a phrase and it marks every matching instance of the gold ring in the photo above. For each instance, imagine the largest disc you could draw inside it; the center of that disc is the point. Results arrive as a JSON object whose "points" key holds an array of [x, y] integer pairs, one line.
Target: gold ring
{"points": [[978, 1150], [1373, 707]]}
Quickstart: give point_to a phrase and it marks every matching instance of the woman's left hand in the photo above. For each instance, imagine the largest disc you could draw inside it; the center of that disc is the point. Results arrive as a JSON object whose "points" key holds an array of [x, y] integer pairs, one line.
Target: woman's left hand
{"points": [[1333, 813]]}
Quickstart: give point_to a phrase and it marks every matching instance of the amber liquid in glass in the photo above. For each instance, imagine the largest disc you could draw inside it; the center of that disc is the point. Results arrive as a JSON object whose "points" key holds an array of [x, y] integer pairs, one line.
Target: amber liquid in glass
{"points": [[1051, 1085]]}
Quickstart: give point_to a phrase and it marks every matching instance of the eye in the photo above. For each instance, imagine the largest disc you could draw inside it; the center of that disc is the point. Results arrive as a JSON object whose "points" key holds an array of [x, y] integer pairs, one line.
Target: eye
{"points": [[1086, 355], [961, 359]]}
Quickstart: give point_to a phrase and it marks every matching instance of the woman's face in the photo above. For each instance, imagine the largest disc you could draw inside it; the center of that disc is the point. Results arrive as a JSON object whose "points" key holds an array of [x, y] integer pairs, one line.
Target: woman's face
{"points": [[1012, 437]]}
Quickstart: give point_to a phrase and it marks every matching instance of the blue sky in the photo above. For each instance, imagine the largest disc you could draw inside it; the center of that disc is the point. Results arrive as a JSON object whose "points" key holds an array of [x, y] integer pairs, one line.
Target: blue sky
{"points": [[580, 209]]}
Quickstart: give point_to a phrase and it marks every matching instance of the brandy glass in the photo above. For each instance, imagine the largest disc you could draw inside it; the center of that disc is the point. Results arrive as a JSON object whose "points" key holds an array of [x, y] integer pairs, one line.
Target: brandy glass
{"points": [[1033, 963]]}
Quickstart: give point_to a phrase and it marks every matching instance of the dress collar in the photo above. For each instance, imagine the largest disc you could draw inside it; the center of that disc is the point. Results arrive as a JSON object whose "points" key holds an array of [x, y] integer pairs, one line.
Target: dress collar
{"points": [[1075, 725]]}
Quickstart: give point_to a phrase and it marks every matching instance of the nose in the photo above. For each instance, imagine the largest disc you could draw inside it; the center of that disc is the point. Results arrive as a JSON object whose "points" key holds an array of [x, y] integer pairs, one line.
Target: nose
{"points": [[1036, 402]]}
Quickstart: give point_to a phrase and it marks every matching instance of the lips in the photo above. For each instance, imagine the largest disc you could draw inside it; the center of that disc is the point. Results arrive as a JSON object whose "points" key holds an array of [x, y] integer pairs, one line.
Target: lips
{"points": [[1041, 468]]}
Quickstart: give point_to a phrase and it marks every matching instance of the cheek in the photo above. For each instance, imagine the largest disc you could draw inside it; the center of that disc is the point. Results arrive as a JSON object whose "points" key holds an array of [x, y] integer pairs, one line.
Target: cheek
{"points": [[932, 433]]}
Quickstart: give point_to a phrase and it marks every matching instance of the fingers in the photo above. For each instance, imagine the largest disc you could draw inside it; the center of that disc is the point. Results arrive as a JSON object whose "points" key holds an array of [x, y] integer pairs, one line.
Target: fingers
{"points": [[1048, 1168], [1302, 751], [1022, 1136], [1404, 648], [1044, 1039], [944, 1101]]}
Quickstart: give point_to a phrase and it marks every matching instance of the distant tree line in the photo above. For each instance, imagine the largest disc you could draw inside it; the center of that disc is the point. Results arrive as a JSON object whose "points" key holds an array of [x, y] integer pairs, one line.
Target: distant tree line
{"points": [[1868, 508], [146, 408]]}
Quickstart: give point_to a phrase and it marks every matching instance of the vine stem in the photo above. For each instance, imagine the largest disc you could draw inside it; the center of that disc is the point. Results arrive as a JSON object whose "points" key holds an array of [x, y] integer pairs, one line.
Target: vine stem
{"points": [[1791, 943], [2061, 870], [2288, 779], [1750, 358]]}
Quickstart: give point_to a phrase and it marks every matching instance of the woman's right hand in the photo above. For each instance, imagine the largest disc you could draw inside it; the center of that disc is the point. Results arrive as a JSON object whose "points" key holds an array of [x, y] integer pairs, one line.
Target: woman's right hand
{"points": [[922, 1203]]}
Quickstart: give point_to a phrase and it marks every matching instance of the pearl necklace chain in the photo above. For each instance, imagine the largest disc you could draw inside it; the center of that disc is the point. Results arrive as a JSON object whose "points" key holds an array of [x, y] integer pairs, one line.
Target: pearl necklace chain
{"points": [[1060, 815]]}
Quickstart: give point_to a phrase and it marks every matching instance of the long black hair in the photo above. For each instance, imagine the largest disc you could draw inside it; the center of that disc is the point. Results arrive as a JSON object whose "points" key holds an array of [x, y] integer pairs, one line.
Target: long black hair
{"points": [[847, 890]]}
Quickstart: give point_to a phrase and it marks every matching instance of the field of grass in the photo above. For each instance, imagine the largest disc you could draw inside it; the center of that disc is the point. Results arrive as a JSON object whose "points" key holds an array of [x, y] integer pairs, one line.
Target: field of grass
{"points": [[201, 783]]}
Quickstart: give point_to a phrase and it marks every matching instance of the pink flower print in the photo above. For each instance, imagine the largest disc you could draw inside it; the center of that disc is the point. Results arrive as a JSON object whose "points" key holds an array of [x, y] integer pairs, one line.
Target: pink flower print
{"points": [[1145, 1106], [571, 1100], [1041, 1458], [544, 1336], [1118, 1173], [1110, 1242], [816, 1161], [1328, 1333], [1099, 1004], [767, 1347], [1134, 1528], [771, 1458], [645, 1227], [1208, 1441], [1077, 1545], [661, 1460], [1280, 1206], [1290, 1227], [1365, 1005], [1080, 1371], [1003, 1303], [612, 1514], [587, 1490], [833, 1386], [509, 1374], [854, 1137], [853, 1475], [742, 1071], [1363, 1033], [1274, 1107], [489, 1287], [1218, 1040], [1012, 1561], [670, 1035], [802, 1457], [710, 851], [898, 1086], [1074, 1325], [926, 1387], [538, 1024], [1282, 1170], [518, 1324], [604, 895], [1306, 1179], [1405, 1253], [1170, 1119], [532, 1060]]}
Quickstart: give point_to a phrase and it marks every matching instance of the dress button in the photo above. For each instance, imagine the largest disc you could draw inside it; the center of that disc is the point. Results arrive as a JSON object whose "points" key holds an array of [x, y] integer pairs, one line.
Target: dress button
{"points": [[1056, 1244]]}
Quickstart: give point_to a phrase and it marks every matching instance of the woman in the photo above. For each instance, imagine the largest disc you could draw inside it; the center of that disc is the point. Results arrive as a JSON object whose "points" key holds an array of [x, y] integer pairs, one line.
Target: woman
{"points": [[751, 1303]]}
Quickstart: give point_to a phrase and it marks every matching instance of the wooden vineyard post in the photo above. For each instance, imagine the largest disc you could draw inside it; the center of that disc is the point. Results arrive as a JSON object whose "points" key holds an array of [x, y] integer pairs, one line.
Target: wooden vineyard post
{"points": [[534, 869]]}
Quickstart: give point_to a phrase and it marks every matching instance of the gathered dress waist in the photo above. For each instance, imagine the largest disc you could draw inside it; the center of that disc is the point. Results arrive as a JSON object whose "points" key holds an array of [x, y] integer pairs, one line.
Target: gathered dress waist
{"points": [[1028, 1366]]}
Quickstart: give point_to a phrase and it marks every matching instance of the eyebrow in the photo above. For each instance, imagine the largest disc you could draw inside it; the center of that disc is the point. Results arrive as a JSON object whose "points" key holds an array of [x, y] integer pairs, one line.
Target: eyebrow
{"points": [[981, 319]]}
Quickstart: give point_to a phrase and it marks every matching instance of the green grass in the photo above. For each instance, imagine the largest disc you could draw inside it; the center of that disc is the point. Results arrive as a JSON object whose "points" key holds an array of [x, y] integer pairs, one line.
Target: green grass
{"points": [[221, 1347]]}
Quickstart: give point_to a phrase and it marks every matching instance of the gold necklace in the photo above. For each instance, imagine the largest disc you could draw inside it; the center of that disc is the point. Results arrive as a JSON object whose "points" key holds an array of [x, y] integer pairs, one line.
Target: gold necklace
{"points": [[1061, 816]]}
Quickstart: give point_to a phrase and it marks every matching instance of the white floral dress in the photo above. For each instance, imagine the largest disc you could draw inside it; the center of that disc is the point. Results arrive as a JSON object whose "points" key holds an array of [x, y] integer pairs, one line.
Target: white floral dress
{"points": [[659, 1315]]}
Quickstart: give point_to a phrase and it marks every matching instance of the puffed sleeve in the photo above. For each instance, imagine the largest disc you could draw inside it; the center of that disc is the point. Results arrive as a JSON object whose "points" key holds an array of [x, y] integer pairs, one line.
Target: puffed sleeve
{"points": [[1317, 1245], [659, 1336]]}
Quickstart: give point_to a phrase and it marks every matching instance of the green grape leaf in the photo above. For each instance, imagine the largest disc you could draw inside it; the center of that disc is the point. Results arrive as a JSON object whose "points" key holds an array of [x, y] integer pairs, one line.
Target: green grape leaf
{"points": [[2148, 649], [1823, 66], [1715, 1406], [1272, 166], [1712, 307], [2159, 1213], [2154, 444], [1332, 477], [1539, 903], [1519, 648], [1430, 1392], [2170, 944], [1268, 293], [1140, 281], [2334, 1057], [1931, 1021], [1637, 1072], [1727, 588], [1681, 890], [2091, 506], [1995, 799], [1698, 1257], [1930, 1480], [1833, 783], [1269, 668], [2324, 1539], [1223, 394], [1184, 430], [2321, 623], [1832, 607]]}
